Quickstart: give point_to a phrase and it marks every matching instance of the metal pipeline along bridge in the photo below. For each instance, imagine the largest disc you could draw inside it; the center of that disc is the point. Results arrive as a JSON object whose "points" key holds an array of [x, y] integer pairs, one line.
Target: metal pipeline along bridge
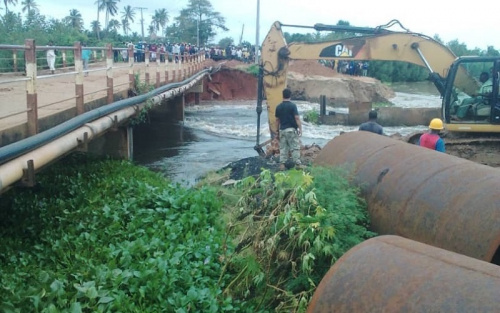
{"points": [[45, 117], [437, 216]]}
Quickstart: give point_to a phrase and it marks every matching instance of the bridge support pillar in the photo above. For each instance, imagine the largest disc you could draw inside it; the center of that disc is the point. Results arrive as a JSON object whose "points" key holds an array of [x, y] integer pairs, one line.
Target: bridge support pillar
{"points": [[197, 90], [179, 103], [116, 143]]}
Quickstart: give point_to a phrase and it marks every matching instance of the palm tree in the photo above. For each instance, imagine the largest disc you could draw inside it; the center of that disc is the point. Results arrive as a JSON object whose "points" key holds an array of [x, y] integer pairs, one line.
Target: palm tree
{"points": [[100, 7], [114, 25], [160, 19], [152, 29], [29, 5], [75, 19], [128, 14], [110, 6], [125, 26], [96, 27], [7, 2], [155, 22]]}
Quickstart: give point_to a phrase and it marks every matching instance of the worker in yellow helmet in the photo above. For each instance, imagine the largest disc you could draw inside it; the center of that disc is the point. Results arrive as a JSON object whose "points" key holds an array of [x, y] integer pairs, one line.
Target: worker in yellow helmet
{"points": [[431, 139]]}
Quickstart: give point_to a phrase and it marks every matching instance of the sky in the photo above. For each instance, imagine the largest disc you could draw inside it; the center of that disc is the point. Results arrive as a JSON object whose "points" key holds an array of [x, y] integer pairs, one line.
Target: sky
{"points": [[467, 24]]}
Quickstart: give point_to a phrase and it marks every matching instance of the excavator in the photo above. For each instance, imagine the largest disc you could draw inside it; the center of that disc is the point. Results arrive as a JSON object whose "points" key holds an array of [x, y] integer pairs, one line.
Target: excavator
{"points": [[456, 78]]}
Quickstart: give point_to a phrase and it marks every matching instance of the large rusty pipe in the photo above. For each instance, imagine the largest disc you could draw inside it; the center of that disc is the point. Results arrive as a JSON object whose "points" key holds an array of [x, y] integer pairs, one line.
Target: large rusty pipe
{"points": [[421, 194], [395, 274]]}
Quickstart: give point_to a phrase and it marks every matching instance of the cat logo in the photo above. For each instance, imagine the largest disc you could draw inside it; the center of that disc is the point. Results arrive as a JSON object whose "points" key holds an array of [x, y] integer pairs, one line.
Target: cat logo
{"points": [[348, 49], [342, 51]]}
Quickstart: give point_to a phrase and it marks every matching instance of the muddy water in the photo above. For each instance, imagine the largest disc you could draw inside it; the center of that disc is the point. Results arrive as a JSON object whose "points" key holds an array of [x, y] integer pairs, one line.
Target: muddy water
{"points": [[217, 133]]}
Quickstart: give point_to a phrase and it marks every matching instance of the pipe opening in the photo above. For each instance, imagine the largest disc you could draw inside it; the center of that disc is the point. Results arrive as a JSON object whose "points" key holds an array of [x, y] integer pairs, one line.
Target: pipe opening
{"points": [[496, 257]]}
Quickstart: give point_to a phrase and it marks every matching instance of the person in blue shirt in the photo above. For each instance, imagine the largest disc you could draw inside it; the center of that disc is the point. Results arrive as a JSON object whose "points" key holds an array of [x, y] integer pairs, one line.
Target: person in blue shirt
{"points": [[86, 59], [432, 140]]}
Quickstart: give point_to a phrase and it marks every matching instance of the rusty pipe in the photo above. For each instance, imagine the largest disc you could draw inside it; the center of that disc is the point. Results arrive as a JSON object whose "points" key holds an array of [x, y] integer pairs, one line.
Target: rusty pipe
{"points": [[395, 274], [421, 194]]}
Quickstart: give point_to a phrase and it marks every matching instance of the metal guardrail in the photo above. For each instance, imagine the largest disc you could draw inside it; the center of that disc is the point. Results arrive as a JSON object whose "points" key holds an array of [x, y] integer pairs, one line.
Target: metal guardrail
{"points": [[173, 71]]}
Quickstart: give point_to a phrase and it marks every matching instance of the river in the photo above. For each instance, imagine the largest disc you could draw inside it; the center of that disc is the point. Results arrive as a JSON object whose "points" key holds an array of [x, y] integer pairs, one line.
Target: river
{"points": [[216, 133]]}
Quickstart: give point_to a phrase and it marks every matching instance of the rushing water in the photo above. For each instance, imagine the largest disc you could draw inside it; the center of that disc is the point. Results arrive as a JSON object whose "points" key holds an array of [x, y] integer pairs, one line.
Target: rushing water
{"points": [[217, 133]]}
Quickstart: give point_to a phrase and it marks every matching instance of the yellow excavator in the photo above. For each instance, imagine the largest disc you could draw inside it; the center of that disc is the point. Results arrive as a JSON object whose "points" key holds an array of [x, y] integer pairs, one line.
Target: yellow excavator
{"points": [[456, 78]]}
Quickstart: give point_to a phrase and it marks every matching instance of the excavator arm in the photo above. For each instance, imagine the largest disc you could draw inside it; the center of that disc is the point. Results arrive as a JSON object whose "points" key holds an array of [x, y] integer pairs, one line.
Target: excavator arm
{"points": [[382, 44]]}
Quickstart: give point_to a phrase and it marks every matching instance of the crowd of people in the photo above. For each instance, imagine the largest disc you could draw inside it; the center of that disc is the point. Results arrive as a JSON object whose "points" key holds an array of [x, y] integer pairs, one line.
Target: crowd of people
{"points": [[353, 68], [176, 51]]}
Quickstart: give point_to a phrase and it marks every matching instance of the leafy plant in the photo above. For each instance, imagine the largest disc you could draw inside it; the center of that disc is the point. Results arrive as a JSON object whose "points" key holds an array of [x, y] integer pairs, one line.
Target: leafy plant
{"points": [[290, 228], [107, 236], [253, 69], [311, 116], [141, 87]]}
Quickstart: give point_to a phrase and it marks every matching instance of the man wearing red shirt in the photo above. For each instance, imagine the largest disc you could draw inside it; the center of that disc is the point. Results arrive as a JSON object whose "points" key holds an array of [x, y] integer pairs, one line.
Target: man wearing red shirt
{"points": [[432, 140]]}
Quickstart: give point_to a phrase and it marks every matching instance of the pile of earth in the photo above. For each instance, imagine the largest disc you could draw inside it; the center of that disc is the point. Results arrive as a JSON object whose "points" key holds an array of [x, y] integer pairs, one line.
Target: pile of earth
{"points": [[308, 80]]}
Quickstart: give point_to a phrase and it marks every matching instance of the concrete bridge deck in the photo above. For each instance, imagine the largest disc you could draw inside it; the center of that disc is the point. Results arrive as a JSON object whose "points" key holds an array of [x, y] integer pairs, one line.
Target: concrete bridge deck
{"points": [[57, 99]]}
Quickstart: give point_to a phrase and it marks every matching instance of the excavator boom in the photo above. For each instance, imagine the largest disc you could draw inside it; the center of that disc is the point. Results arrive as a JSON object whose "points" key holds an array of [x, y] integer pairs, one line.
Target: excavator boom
{"points": [[378, 43], [382, 45]]}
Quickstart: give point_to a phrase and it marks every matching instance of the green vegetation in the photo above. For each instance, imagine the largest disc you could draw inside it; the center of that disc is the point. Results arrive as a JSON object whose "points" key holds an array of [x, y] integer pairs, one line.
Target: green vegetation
{"points": [[289, 228], [197, 15], [312, 116], [16, 28], [107, 236], [197, 22], [140, 88], [253, 69]]}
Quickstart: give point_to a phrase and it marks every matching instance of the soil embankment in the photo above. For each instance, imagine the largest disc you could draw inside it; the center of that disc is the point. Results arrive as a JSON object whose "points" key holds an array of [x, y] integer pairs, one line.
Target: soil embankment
{"points": [[307, 79]]}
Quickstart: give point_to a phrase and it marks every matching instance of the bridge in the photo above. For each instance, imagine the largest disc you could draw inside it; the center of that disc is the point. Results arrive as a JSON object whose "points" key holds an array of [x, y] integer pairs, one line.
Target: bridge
{"points": [[45, 116]]}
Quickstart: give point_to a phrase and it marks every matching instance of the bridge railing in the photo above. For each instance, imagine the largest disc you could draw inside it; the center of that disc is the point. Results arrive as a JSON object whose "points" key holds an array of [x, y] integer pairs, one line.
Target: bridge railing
{"points": [[167, 68]]}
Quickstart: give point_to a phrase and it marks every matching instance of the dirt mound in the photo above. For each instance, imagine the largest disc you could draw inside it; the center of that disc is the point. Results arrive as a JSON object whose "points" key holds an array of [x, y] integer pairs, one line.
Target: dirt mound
{"points": [[311, 68], [230, 84], [308, 80]]}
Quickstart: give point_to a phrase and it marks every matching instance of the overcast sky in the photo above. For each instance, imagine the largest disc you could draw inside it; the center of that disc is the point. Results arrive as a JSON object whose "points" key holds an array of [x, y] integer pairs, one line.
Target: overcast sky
{"points": [[470, 25]]}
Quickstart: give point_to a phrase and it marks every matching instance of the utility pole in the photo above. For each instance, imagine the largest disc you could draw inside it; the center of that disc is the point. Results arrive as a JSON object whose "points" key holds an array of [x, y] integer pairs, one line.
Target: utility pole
{"points": [[257, 34], [241, 36], [142, 22]]}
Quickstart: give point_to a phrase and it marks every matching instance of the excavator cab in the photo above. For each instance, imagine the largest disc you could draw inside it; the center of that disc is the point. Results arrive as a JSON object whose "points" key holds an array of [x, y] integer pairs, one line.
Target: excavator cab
{"points": [[471, 101]]}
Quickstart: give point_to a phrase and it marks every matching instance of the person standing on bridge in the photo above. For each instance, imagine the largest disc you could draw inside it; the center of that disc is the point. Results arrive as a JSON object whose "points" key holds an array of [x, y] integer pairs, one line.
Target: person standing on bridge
{"points": [[289, 130], [432, 140], [51, 58], [86, 59]]}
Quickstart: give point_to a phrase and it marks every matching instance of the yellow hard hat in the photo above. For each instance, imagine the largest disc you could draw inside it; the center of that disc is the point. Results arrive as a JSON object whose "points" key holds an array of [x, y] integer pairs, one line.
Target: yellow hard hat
{"points": [[436, 124]]}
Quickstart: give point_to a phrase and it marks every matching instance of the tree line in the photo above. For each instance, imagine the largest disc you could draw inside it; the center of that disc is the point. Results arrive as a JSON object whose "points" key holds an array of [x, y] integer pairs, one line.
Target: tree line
{"points": [[197, 23]]}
